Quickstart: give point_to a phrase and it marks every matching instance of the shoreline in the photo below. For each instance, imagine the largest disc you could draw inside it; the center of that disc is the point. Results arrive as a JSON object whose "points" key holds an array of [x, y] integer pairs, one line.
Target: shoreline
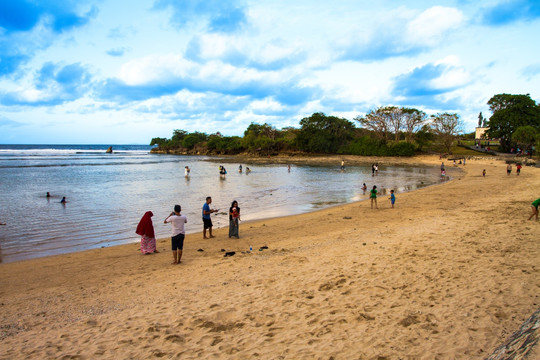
{"points": [[449, 273], [246, 222], [351, 161]]}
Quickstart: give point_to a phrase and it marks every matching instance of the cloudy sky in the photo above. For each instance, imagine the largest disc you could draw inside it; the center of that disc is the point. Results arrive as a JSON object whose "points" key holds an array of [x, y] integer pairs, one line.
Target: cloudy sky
{"points": [[117, 72]]}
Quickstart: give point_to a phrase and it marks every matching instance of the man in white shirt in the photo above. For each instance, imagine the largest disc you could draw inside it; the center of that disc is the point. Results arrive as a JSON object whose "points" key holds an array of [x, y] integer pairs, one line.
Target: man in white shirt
{"points": [[178, 233]]}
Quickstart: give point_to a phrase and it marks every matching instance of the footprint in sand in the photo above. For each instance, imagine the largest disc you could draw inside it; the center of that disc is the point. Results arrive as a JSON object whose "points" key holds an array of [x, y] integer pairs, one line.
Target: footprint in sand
{"points": [[177, 339]]}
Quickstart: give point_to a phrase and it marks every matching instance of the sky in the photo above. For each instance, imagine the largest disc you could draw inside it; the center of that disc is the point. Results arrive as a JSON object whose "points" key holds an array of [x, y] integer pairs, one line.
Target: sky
{"points": [[119, 72]]}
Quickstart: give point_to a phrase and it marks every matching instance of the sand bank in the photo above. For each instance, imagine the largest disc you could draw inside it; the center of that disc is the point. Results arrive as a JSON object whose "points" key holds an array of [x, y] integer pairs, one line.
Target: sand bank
{"points": [[449, 273]]}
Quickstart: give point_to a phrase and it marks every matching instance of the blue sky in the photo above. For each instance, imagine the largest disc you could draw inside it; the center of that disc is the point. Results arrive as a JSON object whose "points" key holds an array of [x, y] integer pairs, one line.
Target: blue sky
{"points": [[116, 72]]}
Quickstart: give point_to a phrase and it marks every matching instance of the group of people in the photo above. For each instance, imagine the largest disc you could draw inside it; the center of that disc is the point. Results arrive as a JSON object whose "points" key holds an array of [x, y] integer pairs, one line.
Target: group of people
{"points": [[248, 170], [145, 228], [373, 196], [63, 201], [509, 169]]}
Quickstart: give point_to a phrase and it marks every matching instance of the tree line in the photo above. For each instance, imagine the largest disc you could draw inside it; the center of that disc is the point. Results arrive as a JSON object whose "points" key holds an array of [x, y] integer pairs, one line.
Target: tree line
{"points": [[384, 131]]}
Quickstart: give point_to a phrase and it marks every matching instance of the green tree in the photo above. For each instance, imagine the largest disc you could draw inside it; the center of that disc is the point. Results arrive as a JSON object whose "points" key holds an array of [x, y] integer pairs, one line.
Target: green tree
{"points": [[192, 139], [224, 144], [378, 121], [525, 136], [160, 142], [261, 138], [413, 120], [446, 126], [176, 139], [324, 134], [423, 137], [509, 113]]}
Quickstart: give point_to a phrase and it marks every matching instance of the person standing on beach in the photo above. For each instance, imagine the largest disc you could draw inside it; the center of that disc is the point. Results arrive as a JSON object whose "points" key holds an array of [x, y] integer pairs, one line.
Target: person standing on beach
{"points": [[518, 169], [484, 173], [207, 221], [373, 196], [187, 170], [372, 169], [392, 198], [146, 230], [342, 165], [508, 169], [364, 188], [442, 167], [240, 168], [178, 233], [234, 217], [534, 207]]}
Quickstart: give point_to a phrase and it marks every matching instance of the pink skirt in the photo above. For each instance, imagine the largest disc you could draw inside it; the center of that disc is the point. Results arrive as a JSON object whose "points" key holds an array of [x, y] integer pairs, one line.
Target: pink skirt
{"points": [[148, 244]]}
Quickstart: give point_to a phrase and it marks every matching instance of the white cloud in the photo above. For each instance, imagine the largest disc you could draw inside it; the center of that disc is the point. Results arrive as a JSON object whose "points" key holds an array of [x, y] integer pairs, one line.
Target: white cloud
{"points": [[155, 68], [286, 61], [430, 26], [454, 76], [266, 105]]}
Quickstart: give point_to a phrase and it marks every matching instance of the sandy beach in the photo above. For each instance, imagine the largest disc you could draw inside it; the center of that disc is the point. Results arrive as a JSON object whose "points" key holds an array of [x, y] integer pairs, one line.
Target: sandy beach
{"points": [[450, 273]]}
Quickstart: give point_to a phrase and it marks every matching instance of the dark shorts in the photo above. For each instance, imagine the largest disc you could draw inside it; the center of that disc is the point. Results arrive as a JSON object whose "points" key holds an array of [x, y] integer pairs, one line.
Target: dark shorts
{"points": [[207, 223], [178, 242]]}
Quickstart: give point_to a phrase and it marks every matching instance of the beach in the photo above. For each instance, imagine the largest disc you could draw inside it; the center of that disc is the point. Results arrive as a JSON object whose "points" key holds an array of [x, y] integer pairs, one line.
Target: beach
{"points": [[450, 273]]}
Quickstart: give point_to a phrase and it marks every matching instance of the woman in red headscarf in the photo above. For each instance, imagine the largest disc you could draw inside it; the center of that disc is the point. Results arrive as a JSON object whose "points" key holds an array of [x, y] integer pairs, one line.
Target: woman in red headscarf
{"points": [[146, 230]]}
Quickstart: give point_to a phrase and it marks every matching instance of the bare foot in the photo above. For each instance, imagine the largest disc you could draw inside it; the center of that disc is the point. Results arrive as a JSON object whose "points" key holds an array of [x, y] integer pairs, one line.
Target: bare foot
{"points": [[174, 263], [212, 236]]}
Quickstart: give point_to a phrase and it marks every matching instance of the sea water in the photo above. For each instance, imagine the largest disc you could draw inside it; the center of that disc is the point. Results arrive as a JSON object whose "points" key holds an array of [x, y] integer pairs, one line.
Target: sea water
{"points": [[107, 194]]}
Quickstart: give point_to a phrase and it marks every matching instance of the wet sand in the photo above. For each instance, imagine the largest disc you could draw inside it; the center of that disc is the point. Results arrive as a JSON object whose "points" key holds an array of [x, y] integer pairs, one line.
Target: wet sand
{"points": [[450, 273]]}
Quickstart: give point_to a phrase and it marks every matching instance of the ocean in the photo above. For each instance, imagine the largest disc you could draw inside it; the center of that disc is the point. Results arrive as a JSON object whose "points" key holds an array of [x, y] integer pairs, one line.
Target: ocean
{"points": [[107, 194]]}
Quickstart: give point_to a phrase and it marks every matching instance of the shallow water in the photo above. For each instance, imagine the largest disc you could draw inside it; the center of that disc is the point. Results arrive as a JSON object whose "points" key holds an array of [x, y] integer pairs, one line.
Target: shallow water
{"points": [[107, 194]]}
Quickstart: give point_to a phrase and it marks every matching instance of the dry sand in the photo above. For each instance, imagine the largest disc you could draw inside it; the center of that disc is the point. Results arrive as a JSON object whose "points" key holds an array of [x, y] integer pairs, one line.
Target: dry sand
{"points": [[449, 273]]}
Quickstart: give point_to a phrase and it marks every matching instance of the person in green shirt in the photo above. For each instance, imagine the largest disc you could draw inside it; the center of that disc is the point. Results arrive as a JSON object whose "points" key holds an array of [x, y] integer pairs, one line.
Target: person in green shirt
{"points": [[373, 196], [534, 207]]}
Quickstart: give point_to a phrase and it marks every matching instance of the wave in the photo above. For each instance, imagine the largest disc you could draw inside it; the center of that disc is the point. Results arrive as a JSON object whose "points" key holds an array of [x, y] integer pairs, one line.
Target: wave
{"points": [[118, 163], [51, 150], [59, 152]]}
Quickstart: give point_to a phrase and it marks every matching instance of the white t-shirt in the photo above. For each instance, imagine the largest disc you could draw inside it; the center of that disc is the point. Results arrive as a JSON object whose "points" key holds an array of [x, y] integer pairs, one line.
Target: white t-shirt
{"points": [[177, 223]]}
